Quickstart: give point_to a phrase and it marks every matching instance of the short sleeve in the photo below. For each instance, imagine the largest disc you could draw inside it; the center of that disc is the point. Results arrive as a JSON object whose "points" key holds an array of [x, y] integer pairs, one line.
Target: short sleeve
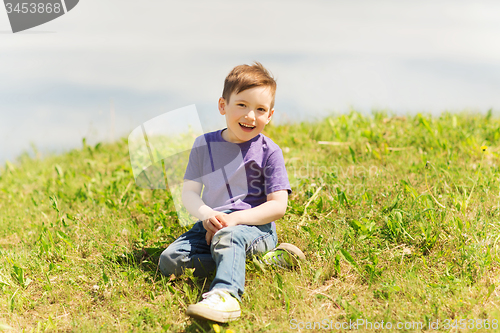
{"points": [[275, 175], [194, 170]]}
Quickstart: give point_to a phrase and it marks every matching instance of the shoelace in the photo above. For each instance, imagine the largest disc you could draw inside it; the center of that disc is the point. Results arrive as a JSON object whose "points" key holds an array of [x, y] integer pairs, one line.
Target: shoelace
{"points": [[278, 259], [213, 297]]}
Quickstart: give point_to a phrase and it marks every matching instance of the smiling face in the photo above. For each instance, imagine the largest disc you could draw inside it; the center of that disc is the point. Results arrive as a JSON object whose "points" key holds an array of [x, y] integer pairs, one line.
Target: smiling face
{"points": [[247, 113]]}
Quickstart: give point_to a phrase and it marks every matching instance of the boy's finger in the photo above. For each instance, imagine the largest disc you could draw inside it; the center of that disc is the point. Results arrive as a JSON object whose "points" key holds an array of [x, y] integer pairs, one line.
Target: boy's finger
{"points": [[208, 237], [209, 227], [216, 223], [221, 219], [213, 229]]}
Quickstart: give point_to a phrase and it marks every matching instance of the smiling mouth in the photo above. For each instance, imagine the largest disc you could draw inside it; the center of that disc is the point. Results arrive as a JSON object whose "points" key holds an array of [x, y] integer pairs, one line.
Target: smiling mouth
{"points": [[247, 126]]}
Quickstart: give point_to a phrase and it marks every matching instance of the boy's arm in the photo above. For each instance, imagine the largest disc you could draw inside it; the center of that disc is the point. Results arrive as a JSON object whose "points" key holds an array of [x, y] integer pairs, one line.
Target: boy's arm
{"points": [[271, 210], [191, 198]]}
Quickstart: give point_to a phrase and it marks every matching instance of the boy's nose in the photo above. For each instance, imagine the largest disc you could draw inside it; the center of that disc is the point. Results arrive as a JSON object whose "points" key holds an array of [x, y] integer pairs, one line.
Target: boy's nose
{"points": [[250, 115]]}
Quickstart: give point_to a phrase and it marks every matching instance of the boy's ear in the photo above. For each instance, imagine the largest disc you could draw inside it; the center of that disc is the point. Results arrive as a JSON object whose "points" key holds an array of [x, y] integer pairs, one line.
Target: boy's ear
{"points": [[222, 106], [271, 112]]}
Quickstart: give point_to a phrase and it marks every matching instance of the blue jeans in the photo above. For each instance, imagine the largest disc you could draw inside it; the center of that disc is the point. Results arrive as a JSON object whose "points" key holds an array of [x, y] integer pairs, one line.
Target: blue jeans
{"points": [[226, 254]]}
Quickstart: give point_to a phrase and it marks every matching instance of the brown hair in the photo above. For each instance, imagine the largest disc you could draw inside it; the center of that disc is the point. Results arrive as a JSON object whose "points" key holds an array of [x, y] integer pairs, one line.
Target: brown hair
{"points": [[245, 77]]}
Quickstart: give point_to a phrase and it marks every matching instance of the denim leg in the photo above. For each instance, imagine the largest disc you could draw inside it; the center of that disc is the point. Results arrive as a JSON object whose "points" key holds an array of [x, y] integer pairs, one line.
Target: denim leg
{"points": [[190, 250], [230, 247]]}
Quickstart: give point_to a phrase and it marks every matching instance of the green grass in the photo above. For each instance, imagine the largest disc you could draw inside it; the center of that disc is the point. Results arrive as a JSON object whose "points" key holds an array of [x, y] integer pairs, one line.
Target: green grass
{"points": [[398, 218]]}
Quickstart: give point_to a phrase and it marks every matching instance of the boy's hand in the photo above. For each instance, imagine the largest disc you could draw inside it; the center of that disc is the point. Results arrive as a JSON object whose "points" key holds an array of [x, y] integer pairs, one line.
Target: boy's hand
{"points": [[227, 220], [212, 224], [215, 223], [208, 237]]}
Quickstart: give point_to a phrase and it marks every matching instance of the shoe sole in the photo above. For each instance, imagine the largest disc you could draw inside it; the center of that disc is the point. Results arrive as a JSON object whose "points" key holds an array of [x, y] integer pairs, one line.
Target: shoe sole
{"points": [[202, 312], [293, 250]]}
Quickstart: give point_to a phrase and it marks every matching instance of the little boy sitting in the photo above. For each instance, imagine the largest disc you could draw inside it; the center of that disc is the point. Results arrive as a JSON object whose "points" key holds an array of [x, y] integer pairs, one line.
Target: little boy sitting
{"points": [[245, 189]]}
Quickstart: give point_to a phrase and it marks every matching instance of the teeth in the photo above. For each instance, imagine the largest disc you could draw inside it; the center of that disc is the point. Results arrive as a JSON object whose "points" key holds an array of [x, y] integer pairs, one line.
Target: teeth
{"points": [[247, 126]]}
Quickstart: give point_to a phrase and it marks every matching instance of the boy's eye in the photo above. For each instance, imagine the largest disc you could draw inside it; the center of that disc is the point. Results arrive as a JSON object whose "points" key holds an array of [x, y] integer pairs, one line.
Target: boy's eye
{"points": [[242, 105], [262, 109]]}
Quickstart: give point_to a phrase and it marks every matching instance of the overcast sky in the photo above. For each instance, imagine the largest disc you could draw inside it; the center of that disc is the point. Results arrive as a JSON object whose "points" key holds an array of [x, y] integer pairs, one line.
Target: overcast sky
{"points": [[58, 80]]}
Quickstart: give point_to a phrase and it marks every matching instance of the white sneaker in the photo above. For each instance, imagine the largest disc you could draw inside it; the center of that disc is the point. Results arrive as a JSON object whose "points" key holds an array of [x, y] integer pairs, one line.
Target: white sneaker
{"points": [[218, 305]]}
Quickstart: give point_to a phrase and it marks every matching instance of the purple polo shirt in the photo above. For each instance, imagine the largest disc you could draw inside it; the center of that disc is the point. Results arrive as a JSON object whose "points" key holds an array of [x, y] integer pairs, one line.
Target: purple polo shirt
{"points": [[236, 176]]}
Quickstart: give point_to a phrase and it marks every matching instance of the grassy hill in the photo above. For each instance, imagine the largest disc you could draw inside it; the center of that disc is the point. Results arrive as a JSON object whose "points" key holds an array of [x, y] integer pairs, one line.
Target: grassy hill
{"points": [[398, 218]]}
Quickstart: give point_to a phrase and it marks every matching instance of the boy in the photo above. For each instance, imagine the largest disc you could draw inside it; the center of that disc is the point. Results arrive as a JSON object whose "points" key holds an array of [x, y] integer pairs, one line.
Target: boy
{"points": [[245, 189]]}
